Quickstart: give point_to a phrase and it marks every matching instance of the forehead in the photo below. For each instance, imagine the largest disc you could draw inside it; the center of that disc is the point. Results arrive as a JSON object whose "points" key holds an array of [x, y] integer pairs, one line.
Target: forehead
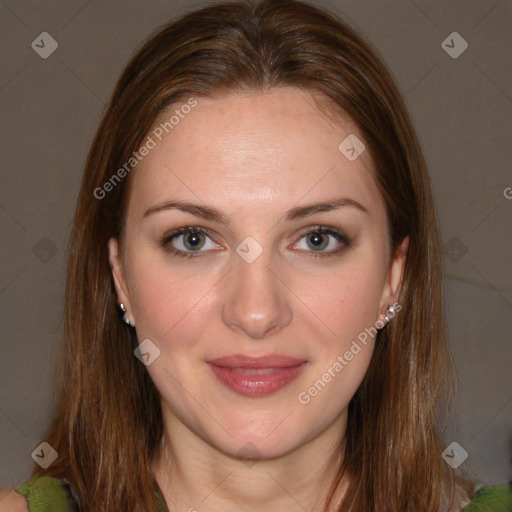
{"points": [[251, 149]]}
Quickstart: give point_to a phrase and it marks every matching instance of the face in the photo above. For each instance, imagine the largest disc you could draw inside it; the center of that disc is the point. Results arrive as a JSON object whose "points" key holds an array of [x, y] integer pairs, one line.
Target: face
{"points": [[259, 310]]}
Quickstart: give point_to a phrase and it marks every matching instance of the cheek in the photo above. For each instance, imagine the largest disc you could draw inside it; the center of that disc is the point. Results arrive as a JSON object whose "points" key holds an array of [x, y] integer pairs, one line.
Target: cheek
{"points": [[344, 301], [168, 305], [176, 301], [344, 308]]}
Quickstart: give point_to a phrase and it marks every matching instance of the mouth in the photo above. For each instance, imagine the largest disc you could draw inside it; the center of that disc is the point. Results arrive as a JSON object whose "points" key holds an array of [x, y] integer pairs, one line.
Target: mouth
{"points": [[257, 376]]}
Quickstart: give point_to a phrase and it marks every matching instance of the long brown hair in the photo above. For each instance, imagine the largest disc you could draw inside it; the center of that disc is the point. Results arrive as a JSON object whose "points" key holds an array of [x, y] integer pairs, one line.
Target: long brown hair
{"points": [[108, 427]]}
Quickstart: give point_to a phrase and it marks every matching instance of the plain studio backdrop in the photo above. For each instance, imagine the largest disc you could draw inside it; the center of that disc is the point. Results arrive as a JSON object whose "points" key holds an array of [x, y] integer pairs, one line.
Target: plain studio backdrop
{"points": [[452, 63]]}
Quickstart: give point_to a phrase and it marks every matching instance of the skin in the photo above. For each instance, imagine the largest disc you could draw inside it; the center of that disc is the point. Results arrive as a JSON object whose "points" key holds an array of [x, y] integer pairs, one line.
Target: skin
{"points": [[254, 156], [12, 501]]}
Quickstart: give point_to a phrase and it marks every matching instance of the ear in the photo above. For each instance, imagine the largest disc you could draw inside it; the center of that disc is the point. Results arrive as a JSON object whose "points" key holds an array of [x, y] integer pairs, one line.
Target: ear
{"points": [[116, 267], [395, 276]]}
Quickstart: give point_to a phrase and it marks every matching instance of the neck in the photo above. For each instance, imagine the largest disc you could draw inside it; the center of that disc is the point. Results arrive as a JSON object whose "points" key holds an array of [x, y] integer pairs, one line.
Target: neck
{"points": [[195, 476]]}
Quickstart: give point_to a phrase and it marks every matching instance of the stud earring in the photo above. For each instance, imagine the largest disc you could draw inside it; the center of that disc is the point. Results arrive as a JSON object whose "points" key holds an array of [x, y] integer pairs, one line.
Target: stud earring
{"points": [[126, 320], [390, 313]]}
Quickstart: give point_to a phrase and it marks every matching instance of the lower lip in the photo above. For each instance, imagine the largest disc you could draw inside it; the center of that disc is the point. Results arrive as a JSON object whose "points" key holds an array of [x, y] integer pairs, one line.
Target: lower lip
{"points": [[254, 385]]}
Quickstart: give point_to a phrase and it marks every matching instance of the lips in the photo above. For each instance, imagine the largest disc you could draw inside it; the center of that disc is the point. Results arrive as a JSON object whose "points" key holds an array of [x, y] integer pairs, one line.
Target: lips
{"points": [[272, 361], [256, 376]]}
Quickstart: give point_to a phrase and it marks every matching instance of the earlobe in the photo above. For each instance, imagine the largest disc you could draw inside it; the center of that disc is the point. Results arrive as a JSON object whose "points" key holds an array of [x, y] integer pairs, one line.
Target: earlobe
{"points": [[119, 281]]}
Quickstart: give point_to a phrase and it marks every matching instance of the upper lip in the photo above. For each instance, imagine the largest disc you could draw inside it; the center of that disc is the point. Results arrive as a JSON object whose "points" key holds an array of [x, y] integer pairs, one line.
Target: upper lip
{"points": [[243, 361]]}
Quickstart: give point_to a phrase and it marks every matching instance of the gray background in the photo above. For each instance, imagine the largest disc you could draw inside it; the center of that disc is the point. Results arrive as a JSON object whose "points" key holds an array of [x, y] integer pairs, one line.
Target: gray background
{"points": [[461, 108]]}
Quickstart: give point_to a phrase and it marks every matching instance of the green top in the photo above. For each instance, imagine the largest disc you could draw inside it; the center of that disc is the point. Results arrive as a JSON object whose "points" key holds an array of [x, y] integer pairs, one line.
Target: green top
{"points": [[49, 494], [495, 498]]}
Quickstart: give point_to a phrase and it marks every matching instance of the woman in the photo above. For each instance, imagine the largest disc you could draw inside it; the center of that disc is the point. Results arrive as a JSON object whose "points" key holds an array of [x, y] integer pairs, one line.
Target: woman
{"points": [[256, 205]]}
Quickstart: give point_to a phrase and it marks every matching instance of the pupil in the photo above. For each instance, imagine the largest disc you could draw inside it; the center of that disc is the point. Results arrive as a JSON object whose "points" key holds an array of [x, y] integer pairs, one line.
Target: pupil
{"points": [[193, 239], [316, 239]]}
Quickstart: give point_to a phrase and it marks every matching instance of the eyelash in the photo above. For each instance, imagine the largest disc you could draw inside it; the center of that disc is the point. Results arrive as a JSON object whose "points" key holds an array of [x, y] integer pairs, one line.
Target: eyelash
{"points": [[337, 234]]}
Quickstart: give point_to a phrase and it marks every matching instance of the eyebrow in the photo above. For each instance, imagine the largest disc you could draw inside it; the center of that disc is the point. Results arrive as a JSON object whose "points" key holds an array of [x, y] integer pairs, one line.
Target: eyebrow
{"points": [[213, 214]]}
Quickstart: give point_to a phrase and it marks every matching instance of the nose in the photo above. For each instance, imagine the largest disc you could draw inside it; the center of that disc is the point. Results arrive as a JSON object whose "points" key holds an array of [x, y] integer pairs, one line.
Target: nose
{"points": [[256, 302]]}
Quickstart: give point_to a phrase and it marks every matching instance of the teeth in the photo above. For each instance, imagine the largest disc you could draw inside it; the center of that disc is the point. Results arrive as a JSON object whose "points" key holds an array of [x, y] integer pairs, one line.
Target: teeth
{"points": [[255, 371]]}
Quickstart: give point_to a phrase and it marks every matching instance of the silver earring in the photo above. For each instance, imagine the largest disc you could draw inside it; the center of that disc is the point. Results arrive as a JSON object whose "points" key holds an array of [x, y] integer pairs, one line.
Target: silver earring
{"points": [[390, 313], [126, 320]]}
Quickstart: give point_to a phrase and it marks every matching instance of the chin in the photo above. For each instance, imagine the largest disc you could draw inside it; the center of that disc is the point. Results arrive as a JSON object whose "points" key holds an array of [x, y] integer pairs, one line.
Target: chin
{"points": [[252, 448], [247, 437]]}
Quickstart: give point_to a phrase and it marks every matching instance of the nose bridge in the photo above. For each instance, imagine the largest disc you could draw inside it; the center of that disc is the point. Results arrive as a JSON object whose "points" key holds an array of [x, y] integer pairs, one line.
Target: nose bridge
{"points": [[256, 301]]}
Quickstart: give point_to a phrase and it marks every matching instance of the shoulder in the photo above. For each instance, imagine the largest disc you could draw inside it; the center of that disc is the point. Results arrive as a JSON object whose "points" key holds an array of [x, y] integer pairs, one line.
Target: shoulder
{"points": [[491, 498], [45, 494], [12, 501]]}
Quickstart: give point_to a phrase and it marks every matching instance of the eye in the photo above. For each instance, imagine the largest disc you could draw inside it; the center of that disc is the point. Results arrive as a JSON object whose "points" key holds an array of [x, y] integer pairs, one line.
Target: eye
{"points": [[317, 238], [193, 240]]}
